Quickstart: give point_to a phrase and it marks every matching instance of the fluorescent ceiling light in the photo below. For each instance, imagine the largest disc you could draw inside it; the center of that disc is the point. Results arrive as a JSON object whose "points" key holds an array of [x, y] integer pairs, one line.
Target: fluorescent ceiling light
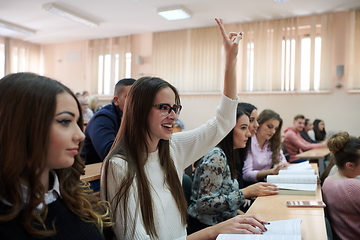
{"points": [[16, 28], [174, 12], [281, 0], [63, 12]]}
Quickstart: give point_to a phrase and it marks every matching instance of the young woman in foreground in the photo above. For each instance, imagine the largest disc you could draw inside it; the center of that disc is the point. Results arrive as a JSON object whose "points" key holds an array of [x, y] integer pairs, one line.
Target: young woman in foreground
{"points": [[341, 191], [141, 175], [41, 195]]}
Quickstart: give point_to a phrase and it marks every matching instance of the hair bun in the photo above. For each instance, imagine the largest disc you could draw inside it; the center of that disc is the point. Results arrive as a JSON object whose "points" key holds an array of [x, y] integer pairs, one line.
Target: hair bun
{"points": [[338, 141]]}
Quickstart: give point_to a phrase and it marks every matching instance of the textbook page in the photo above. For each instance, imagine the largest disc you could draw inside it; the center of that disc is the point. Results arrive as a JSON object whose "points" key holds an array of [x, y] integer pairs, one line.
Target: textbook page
{"points": [[279, 230], [292, 179], [300, 166], [297, 172]]}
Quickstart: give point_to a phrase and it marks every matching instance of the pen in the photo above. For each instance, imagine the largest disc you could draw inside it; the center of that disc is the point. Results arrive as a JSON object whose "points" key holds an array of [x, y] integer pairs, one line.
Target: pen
{"points": [[265, 223]]}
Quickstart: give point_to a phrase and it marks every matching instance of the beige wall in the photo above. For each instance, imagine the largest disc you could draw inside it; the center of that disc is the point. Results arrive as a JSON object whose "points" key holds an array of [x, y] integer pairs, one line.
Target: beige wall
{"points": [[338, 108], [66, 62]]}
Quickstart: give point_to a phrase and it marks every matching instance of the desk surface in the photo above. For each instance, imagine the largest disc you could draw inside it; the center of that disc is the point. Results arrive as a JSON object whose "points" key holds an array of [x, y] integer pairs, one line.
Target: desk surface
{"points": [[314, 153], [273, 208], [92, 172]]}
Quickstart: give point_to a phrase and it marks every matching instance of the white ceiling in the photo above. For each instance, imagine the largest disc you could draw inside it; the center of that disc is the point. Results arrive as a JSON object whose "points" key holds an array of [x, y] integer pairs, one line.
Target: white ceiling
{"points": [[126, 17]]}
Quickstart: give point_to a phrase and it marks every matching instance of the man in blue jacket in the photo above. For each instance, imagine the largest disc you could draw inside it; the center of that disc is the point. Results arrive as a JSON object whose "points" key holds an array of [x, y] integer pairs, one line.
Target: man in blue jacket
{"points": [[101, 130]]}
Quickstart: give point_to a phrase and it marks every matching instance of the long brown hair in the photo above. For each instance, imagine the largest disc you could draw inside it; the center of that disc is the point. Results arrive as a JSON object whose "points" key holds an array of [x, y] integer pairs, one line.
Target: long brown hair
{"points": [[27, 109], [233, 156], [131, 143], [275, 141]]}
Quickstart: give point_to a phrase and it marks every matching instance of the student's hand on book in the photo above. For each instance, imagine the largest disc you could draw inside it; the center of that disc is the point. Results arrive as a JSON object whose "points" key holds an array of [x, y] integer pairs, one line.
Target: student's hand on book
{"points": [[260, 189], [279, 166], [241, 224]]}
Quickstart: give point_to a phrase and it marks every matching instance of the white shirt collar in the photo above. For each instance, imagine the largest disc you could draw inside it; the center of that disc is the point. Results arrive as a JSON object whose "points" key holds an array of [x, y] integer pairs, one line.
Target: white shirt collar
{"points": [[50, 196]]}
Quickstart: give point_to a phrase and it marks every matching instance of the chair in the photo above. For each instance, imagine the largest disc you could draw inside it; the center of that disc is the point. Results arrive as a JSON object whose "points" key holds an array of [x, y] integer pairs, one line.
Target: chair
{"points": [[186, 184], [286, 154]]}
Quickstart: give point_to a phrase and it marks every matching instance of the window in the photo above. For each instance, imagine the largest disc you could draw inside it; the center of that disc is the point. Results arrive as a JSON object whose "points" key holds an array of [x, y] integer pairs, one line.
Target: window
{"points": [[310, 81], [108, 72], [2, 60], [288, 65], [250, 67], [109, 63]]}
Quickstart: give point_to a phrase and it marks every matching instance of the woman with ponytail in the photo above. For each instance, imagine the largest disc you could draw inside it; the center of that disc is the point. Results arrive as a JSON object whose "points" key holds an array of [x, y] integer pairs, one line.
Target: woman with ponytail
{"points": [[341, 190]]}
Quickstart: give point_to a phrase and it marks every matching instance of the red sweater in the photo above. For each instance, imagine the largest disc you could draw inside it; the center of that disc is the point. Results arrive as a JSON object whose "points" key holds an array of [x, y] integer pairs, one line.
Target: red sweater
{"points": [[295, 144]]}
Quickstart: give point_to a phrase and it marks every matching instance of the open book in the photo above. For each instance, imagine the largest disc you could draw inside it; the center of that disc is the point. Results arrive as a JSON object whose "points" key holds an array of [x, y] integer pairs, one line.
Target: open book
{"points": [[300, 181], [279, 230]]}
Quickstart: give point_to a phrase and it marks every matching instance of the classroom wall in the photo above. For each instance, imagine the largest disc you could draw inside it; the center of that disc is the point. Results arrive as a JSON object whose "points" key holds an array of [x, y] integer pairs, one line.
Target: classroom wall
{"points": [[338, 108], [66, 62]]}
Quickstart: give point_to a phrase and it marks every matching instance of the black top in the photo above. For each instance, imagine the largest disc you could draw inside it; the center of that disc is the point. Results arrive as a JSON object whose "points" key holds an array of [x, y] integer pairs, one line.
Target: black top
{"points": [[100, 133], [68, 225]]}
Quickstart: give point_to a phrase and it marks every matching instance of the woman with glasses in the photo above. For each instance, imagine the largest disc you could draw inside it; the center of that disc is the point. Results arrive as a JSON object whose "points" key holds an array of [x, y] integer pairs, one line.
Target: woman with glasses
{"points": [[141, 175]]}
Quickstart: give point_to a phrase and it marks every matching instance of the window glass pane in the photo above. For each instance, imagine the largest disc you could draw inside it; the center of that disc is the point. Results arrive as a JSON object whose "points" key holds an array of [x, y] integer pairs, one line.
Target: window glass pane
{"points": [[305, 64], [100, 74], [116, 75], [317, 63], [128, 65], [250, 67], [2, 60], [107, 74]]}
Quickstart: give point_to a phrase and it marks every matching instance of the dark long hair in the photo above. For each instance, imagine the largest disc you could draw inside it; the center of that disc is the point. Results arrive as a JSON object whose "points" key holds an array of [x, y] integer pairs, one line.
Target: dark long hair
{"points": [[304, 133], [248, 108], [131, 143], [27, 108], [319, 135], [227, 145], [275, 141]]}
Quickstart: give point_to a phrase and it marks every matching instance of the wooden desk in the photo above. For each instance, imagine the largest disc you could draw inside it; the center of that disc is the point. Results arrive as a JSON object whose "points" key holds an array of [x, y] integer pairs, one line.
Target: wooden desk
{"points": [[273, 208], [317, 153], [92, 172]]}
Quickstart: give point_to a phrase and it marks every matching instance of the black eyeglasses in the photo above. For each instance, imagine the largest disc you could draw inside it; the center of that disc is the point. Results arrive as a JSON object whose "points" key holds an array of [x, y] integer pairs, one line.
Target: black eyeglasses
{"points": [[165, 108]]}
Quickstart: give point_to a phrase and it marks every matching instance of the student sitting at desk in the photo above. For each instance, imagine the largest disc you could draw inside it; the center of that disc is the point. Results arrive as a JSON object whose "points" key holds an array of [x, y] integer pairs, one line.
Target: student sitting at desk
{"points": [[342, 190], [308, 133], [141, 175], [41, 195], [252, 112], [215, 193], [293, 141], [265, 156]]}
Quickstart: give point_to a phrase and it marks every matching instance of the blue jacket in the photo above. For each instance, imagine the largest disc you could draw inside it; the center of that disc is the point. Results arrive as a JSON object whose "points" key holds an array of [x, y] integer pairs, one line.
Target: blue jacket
{"points": [[100, 133]]}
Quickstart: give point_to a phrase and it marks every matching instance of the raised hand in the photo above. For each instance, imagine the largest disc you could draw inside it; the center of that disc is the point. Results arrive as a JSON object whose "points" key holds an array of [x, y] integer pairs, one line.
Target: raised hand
{"points": [[230, 41]]}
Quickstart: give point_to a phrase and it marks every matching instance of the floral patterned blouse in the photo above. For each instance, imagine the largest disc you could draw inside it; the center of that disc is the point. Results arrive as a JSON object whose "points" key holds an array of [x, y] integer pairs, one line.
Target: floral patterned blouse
{"points": [[215, 195]]}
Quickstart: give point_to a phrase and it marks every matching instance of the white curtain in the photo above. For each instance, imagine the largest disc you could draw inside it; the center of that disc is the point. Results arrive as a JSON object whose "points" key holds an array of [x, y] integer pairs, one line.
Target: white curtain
{"points": [[354, 50], [116, 48], [189, 59], [21, 56]]}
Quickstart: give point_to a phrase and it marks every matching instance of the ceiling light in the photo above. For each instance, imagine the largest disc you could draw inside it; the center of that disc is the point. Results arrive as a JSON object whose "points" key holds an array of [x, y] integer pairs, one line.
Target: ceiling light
{"points": [[281, 0], [17, 28], [174, 12], [63, 12]]}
